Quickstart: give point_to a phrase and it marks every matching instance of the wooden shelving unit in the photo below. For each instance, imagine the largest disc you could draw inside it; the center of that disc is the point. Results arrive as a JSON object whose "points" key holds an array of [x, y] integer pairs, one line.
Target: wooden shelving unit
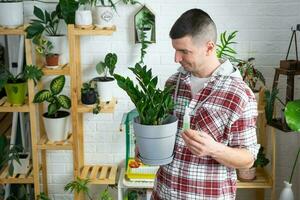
{"points": [[99, 174], [33, 173], [264, 179]]}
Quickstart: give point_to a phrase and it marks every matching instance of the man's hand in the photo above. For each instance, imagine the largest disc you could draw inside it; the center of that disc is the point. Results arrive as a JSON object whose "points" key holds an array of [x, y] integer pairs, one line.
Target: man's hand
{"points": [[200, 143]]}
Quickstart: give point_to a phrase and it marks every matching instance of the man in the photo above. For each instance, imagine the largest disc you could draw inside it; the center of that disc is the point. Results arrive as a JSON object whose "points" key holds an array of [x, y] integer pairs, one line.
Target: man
{"points": [[222, 109]]}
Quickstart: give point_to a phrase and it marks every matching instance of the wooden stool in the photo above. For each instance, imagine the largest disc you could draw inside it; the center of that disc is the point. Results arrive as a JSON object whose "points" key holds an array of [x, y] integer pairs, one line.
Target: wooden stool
{"points": [[289, 82]]}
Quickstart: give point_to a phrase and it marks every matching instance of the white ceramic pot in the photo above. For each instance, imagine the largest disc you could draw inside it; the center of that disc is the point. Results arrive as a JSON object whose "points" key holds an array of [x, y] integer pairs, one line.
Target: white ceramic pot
{"points": [[11, 14], [104, 16], [105, 88], [83, 18], [24, 166], [58, 43], [287, 192], [57, 128]]}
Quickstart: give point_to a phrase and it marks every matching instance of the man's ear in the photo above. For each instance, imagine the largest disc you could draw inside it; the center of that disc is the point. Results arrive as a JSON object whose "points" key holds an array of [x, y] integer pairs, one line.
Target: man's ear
{"points": [[210, 48]]}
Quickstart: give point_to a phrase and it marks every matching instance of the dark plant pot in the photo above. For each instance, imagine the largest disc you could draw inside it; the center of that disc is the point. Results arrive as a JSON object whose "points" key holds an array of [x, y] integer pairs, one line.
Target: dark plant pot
{"points": [[89, 98], [280, 124], [52, 60]]}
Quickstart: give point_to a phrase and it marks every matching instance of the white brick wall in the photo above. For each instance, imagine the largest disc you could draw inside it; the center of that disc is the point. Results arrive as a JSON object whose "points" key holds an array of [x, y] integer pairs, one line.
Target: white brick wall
{"points": [[264, 32]]}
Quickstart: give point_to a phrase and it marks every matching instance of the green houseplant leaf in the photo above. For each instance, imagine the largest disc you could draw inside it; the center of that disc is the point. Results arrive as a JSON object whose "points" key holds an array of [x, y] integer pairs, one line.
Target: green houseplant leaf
{"points": [[57, 84], [292, 115], [64, 101], [43, 95]]}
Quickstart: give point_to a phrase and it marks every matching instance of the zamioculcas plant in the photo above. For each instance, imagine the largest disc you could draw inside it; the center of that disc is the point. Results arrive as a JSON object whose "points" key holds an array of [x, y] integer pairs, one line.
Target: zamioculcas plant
{"points": [[154, 126], [52, 96], [153, 104]]}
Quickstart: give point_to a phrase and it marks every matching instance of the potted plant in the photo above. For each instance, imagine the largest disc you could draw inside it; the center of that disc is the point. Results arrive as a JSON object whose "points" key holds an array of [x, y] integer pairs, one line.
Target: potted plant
{"points": [[89, 96], [16, 86], [106, 83], [81, 185], [292, 116], [11, 154], [104, 11], [43, 196], [83, 15], [9, 8], [44, 47], [154, 127], [46, 22], [249, 174], [56, 121], [251, 75]]}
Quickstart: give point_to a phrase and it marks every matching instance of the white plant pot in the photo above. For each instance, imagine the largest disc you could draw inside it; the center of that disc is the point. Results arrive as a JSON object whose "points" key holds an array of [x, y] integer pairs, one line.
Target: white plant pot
{"points": [[287, 192], [57, 128], [156, 143], [24, 167], [105, 88], [83, 18], [11, 14], [104, 16], [57, 42]]}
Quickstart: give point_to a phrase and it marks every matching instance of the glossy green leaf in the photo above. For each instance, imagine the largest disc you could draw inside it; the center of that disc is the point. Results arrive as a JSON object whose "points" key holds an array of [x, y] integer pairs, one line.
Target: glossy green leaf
{"points": [[52, 108], [38, 13], [292, 115], [57, 84], [41, 96], [64, 101]]}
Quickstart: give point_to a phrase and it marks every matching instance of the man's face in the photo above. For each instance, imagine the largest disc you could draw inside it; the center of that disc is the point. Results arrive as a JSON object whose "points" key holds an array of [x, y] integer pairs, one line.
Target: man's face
{"points": [[189, 54]]}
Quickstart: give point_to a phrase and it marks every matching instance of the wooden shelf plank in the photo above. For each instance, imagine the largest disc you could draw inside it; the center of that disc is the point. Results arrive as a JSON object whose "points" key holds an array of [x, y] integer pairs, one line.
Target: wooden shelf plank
{"points": [[16, 178], [7, 107], [105, 107], [94, 31], [62, 70], [262, 180], [99, 174], [44, 143], [12, 31]]}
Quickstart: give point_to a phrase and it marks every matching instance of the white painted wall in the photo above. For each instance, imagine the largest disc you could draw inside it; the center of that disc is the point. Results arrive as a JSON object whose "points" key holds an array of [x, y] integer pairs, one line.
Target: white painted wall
{"points": [[264, 32]]}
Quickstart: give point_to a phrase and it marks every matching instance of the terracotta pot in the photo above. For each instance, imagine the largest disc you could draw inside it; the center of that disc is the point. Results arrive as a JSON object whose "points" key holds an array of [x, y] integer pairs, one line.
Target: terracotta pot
{"points": [[246, 174], [52, 60]]}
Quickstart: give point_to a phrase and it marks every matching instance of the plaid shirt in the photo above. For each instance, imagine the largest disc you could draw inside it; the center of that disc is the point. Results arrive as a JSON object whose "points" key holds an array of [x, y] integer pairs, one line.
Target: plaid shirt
{"points": [[226, 109]]}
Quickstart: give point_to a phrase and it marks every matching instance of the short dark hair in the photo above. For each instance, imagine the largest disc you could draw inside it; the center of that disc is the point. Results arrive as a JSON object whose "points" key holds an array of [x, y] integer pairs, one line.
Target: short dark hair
{"points": [[195, 23]]}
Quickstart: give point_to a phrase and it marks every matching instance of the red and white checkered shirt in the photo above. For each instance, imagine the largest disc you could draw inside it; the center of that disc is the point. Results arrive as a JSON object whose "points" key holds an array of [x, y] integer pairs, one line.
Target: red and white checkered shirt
{"points": [[226, 109]]}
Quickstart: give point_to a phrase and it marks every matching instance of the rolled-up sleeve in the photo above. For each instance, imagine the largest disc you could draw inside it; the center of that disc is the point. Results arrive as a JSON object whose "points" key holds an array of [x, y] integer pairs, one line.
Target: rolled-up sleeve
{"points": [[243, 130]]}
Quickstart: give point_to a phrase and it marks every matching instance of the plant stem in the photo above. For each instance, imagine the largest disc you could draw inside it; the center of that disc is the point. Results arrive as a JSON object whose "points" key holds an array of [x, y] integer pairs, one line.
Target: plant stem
{"points": [[295, 163]]}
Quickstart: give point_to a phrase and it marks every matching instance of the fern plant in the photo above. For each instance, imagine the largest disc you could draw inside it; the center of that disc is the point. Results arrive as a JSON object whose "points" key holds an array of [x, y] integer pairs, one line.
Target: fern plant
{"points": [[224, 49], [81, 185], [152, 104], [52, 96]]}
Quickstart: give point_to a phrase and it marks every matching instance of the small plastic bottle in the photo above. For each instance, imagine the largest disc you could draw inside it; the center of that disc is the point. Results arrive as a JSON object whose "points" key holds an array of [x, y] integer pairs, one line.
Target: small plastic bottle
{"points": [[186, 118]]}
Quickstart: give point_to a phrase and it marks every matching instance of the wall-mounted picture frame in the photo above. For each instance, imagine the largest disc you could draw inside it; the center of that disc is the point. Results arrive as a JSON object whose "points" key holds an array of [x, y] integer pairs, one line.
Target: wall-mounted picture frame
{"points": [[144, 25]]}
